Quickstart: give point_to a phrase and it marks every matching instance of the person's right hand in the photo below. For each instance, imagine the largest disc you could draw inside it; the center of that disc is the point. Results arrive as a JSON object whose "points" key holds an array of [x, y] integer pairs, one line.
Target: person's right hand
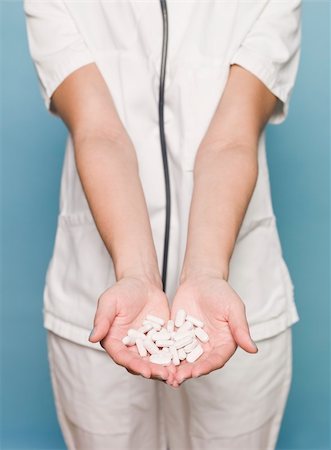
{"points": [[125, 305]]}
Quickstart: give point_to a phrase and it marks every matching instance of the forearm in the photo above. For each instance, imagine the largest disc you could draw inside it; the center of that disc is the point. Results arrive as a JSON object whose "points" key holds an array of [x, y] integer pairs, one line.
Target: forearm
{"points": [[224, 180], [108, 170]]}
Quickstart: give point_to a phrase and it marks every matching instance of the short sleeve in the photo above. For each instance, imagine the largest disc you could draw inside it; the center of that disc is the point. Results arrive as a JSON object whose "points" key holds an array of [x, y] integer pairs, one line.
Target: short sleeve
{"points": [[271, 51], [56, 46]]}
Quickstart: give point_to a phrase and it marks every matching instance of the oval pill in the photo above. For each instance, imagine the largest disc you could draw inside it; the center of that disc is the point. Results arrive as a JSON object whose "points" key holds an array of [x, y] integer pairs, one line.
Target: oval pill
{"points": [[141, 348], [180, 318], [201, 334], [194, 354], [162, 358], [164, 343], [185, 327], [150, 346], [182, 342], [155, 319], [175, 357], [170, 326], [196, 322], [181, 354], [162, 334], [188, 348], [129, 340]]}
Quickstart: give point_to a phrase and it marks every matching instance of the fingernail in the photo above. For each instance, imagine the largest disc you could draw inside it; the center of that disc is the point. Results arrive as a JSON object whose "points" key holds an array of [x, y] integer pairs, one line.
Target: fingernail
{"points": [[254, 345], [91, 334]]}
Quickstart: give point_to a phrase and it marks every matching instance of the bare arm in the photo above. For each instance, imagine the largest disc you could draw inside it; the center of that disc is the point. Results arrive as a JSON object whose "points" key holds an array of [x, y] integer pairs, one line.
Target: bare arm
{"points": [[225, 173], [107, 166]]}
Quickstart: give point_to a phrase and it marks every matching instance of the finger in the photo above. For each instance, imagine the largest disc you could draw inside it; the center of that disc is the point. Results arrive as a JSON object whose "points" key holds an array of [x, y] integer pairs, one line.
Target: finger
{"points": [[211, 361], [239, 328], [159, 371], [103, 319], [184, 371], [126, 358]]}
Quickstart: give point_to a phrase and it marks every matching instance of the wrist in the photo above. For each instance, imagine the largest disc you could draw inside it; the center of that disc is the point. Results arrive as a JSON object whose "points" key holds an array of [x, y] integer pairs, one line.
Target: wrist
{"points": [[148, 273], [190, 272]]}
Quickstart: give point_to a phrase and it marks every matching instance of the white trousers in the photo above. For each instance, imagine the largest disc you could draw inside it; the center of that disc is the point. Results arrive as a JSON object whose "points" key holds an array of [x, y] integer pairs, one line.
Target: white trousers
{"points": [[100, 406]]}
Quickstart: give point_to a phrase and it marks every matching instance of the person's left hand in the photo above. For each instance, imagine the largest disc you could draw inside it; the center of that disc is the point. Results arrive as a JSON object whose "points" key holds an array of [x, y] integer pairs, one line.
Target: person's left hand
{"points": [[214, 302]]}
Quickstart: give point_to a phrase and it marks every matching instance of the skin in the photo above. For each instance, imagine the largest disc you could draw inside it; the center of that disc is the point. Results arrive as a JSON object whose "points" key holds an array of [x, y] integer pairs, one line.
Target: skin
{"points": [[225, 174]]}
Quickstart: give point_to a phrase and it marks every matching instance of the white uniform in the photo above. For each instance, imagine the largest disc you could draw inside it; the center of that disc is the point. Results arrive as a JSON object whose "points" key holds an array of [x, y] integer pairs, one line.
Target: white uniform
{"points": [[124, 39]]}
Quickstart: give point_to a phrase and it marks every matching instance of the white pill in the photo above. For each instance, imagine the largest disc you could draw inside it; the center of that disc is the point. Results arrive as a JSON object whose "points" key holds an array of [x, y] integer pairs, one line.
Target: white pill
{"points": [[141, 348], [162, 358], [175, 357], [147, 327], [150, 346], [181, 354], [183, 334], [195, 354], [180, 317], [135, 333], [164, 343], [185, 341], [129, 340], [185, 327], [201, 334], [162, 334], [151, 333], [170, 326], [188, 348], [194, 321], [165, 350], [155, 319], [155, 325]]}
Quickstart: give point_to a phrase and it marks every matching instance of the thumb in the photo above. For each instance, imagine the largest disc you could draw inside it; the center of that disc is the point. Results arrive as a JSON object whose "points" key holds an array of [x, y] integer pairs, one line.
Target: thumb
{"points": [[103, 319], [239, 328]]}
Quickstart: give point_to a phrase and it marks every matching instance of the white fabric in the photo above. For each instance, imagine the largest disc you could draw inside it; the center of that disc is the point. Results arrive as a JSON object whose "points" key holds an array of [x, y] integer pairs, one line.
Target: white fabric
{"points": [[124, 39], [100, 406]]}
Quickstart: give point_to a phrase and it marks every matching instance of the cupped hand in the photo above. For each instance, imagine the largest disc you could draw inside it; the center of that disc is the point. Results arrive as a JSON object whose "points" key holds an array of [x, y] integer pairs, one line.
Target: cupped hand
{"points": [[123, 306], [213, 301]]}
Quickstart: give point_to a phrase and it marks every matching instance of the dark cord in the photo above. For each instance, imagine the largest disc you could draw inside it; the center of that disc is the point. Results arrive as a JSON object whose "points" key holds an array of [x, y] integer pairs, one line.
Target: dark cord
{"points": [[163, 142]]}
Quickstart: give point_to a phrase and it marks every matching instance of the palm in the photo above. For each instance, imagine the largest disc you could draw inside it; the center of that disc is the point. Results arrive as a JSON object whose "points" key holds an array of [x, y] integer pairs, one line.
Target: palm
{"points": [[133, 302], [209, 299]]}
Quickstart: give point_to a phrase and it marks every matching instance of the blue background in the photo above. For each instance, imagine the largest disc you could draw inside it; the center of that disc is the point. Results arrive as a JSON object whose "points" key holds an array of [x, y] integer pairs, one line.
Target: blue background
{"points": [[32, 150]]}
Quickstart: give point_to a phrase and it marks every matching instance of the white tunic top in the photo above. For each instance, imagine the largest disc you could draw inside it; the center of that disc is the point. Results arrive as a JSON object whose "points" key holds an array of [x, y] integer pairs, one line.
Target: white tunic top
{"points": [[124, 39]]}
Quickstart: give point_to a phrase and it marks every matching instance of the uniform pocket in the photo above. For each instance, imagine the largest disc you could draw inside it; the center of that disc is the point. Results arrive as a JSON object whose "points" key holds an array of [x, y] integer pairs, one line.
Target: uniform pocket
{"points": [[80, 270]]}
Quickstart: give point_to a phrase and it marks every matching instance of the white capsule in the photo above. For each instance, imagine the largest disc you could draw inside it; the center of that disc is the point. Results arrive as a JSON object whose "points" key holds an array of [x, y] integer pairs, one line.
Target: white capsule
{"points": [[155, 319], [175, 357], [185, 341], [129, 340], [162, 358], [181, 354], [196, 322], [155, 325], [188, 348], [185, 327], [180, 317], [162, 334], [165, 350], [147, 327], [201, 334], [151, 333], [141, 348], [135, 333], [164, 343], [151, 347], [183, 334], [195, 354], [170, 326]]}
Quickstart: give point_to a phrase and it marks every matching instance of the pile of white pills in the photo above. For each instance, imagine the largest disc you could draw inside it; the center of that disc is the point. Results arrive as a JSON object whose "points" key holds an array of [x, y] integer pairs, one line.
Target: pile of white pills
{"points": [[173, 342]]}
